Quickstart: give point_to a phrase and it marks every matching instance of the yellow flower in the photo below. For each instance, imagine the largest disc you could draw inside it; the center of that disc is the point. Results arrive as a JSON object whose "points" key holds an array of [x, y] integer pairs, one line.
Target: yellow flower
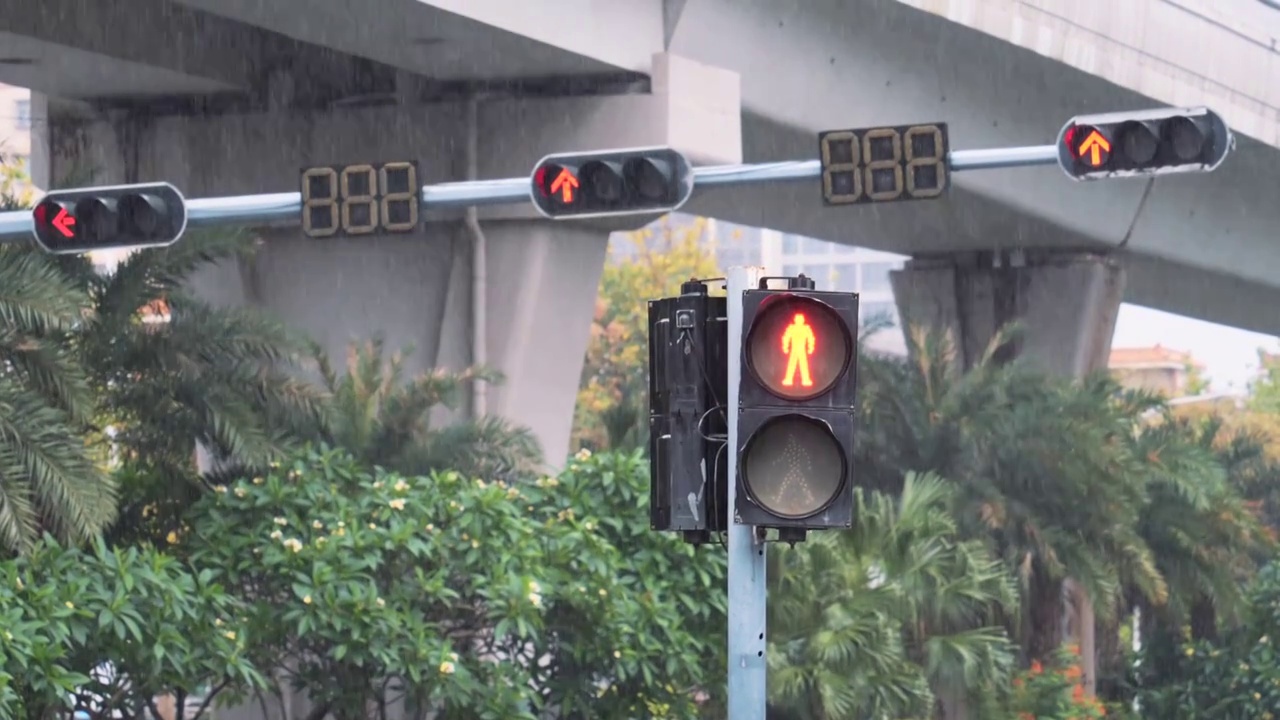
{"points": [[293, 544], [241, 492], [276, 534], [583, 454], [1189, 652], [340, 531], [480, 484], [372, 526], [70, 605], [377, 485], [380, 602], [603, 592], [617, 654], [535, 599], [306, 600], [453, 656], [475, 543], [431, 527], [171, 538], [397, 504], [257, 481], [446, 668], [280, 521], [230, 635], [217, 622], [317, 525], [400, 486], [220, 489]]}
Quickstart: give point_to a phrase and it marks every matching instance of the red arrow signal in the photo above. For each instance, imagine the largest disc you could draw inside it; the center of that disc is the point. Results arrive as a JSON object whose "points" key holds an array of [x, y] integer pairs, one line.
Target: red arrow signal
{"points": [[64, 223], [564, 184]]}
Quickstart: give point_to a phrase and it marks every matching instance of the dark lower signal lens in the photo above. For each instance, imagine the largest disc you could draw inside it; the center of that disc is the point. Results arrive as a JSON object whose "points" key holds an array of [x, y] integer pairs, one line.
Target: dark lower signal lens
{"points": [[650, 177], [1138, 143], [142, 215], [794, 467], [97, 219], [603, 180], [1186, 138]]}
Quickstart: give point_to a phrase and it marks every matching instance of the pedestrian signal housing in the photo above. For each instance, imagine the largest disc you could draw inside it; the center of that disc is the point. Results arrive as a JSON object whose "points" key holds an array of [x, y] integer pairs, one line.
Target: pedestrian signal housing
{"points": [[614, 182], [68, 222], [797, 401], [1146, 143], [688, 387]]}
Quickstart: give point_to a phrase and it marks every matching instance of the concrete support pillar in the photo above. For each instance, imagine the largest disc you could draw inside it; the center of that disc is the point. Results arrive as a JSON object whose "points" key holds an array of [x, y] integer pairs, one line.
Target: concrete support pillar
{"points": [[1067, 305], [541, 290], [541, 283]]}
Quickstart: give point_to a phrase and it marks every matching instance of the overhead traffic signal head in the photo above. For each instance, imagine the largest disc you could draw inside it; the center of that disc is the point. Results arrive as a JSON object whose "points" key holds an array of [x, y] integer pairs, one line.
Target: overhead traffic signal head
{"points": [[796, 414], [68, 222], [1139, 144], [615, 182]]}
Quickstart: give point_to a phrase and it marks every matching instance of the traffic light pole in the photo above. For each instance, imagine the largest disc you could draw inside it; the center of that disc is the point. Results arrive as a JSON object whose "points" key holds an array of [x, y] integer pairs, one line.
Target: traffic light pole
{"points": [[287, 207], [747, 593]]}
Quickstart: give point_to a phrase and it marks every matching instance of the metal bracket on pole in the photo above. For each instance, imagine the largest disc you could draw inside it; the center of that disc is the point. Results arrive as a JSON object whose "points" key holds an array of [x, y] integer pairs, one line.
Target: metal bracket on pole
{"points": [[747, 591]]}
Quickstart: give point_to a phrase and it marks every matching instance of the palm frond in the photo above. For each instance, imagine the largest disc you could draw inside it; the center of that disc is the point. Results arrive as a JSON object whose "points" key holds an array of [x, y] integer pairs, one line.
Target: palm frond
{"points": [[47, 479]]}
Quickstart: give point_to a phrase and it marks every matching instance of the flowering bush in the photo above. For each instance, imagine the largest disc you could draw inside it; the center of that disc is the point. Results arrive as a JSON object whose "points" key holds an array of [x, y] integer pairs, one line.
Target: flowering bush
{"points": [[470, 598], [66, 613], [1054, 693], [1236, 678]]}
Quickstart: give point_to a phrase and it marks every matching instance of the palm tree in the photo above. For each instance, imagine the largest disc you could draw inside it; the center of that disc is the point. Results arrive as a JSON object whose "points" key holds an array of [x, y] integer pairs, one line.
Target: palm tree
{"points": [[86, 342], [48, 480], [172, 371], [880, 621], [1042, 472], [386, 421]]}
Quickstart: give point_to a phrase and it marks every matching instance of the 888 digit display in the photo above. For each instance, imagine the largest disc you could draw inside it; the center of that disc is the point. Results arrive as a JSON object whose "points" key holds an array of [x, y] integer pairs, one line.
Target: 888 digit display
{"points": [[360, 199], [884, 164]]}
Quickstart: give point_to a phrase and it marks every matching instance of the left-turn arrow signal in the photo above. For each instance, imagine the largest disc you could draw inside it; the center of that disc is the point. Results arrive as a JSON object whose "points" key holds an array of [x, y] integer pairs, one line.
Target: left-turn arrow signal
{"points": [[64, 223]]}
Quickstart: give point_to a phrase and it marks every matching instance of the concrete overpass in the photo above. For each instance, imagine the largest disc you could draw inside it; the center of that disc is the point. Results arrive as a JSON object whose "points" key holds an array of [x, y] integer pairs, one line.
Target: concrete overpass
{"points": [[233, 96]]}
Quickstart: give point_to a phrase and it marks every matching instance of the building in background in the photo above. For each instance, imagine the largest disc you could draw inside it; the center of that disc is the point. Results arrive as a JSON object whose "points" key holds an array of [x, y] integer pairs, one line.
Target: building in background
{"points": [[1171, 373], [15, 123]]}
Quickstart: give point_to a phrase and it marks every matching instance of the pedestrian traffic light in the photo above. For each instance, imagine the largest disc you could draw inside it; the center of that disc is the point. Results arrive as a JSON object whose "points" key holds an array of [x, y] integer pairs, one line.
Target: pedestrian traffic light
{"points": [[615, 182], [688, 433], [68, 222], [1139, 144], [796, 408]]}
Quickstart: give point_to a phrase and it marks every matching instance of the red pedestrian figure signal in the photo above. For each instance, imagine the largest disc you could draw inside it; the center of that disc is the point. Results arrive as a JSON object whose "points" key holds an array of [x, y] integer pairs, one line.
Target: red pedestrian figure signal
{"points": [[798, 343]]}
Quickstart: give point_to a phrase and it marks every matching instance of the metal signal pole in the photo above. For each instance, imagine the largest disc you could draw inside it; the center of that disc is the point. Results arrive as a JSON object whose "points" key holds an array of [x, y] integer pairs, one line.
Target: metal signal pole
{"points": [[747, 593]]}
